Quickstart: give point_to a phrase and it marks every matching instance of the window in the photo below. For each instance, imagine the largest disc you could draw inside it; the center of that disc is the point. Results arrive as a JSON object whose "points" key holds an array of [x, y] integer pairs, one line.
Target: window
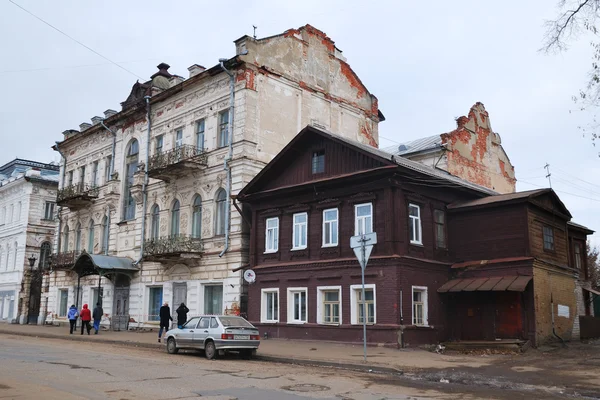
{"points": [[1, 259], [11, 212], [7, 256], [329, 307], [213, 323], [200, 135], [130, 169], [220, 214], [49, 210], [419, 302], [299, 233], [63, 295], [439, 219], [204, 323], [97, 294], [330, 227], [66, 239], [178, 138], [548, 238], [107, 168], [213, 299], [272, 235], [154, 304], [175, 218], [197, 217], [296, 300], [223, 136], [16, 255], [45, 252], [192, 323], [70, 179], [269, 311], [95, 174], [2, 215], [90, 246], [318, 162], [155, 222], [414, 224], [18, 215], [578, 259], [105, 233], [159, 144], [363, 219], [78, 237], [362, 309], [81, 182]]}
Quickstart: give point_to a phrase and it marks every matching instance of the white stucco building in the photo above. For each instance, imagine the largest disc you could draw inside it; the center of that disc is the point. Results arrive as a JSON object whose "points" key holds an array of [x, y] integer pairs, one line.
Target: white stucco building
{"points": [[155, 195], [27, 224]]}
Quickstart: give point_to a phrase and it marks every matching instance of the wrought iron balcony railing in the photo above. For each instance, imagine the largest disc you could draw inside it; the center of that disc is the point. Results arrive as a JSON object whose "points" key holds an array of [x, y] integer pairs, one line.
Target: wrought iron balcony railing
{"points": [[63, 260], [172, 245], [77, 191], [174, 156]]}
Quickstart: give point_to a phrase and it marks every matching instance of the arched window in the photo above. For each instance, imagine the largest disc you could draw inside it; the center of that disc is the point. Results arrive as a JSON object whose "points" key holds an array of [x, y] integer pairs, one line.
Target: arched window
{"points": [[131, 165], [90, 246], [18, 216], [197, 217], [155, 222], [1, 259], [105, 233], [16, 255], [220, 212], [78, 237], [45, 251], [175, 218], [7, 255], [65, 243]]}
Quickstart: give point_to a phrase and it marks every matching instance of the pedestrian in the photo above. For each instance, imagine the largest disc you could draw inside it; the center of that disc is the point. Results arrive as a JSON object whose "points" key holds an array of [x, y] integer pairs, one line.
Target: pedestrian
{"points": [[97, 315], [182, 312], [86, 317], [165, 317], [72, 315]]}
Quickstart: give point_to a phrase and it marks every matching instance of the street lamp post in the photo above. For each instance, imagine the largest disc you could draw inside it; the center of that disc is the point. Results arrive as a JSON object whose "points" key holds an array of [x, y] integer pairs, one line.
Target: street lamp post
{"points": [[33, 277]]}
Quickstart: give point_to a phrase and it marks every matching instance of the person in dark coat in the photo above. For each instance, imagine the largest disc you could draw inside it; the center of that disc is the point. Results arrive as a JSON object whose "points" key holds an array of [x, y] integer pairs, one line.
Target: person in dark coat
{"points": [[165, 317], [182, 312], [97, 315], [72, 316], [86, 317]]}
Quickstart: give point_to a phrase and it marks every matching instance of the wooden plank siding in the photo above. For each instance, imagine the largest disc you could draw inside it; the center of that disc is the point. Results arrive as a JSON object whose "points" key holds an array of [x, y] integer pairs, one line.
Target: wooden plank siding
{"points": [[537, 219]]}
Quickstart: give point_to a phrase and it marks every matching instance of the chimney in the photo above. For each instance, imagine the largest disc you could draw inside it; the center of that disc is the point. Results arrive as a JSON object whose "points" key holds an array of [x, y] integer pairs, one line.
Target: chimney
{"points": [[196, 69], [109, 113], [175, 80], [83, 126], [96, 120], [163, 70]]}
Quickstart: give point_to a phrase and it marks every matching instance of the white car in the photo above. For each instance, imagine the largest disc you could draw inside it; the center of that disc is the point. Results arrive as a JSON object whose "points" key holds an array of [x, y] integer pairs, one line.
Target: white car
{"points": [[214, 334]]}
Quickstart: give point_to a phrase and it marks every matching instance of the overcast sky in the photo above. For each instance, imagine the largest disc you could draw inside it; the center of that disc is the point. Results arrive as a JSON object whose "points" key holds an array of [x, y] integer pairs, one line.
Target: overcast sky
{"points": [[428, 63]]}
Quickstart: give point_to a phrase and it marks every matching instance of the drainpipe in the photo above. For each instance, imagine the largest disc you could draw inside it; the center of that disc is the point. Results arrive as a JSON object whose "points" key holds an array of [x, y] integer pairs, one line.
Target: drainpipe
{"points": [[553, 328], [145, 186], [62, 183], [112, 158], [226, 165]]}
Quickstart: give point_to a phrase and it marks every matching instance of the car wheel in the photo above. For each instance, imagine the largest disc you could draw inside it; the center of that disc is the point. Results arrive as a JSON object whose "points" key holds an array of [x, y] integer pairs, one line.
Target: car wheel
{"points": [[172, 346], [246, 354], [210, 351]]}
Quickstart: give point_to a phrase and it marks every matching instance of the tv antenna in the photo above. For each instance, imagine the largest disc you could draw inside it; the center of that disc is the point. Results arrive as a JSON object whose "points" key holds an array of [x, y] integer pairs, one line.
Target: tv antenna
{"points": [[548, 174], [254, 34]]}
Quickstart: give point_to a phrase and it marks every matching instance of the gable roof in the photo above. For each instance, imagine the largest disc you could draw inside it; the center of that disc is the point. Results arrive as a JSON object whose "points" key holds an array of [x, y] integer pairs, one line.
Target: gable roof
{"points": [[420, 145], [389, 159], [516, 197]]}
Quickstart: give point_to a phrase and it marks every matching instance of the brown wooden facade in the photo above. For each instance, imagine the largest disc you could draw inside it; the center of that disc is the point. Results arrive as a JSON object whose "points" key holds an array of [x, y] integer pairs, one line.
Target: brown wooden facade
{"points": [[299, 284]]}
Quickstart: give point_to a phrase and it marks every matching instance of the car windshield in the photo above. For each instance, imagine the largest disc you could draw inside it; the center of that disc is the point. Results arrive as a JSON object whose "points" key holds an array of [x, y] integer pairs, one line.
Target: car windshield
{"points": [[235, 322]]}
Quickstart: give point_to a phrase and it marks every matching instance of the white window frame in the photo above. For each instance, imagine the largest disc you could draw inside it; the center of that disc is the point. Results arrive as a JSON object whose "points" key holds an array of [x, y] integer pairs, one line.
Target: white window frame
{"points": [[359, 220], [425, 295], [263, 305], [337, 229], [49, 205], [178, 138], [355, 290], [291, 292], [299, 225], [320, 305], [413, 221], [275, 247]]}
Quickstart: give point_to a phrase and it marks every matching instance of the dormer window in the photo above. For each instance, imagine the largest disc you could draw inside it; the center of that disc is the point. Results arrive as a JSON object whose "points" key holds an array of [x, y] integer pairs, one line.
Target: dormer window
{"points": [[318, 162]]}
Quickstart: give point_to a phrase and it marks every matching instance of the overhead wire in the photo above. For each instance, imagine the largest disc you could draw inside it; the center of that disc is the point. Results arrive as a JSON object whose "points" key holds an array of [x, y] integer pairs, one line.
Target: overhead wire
{"points": [[562, 191]]}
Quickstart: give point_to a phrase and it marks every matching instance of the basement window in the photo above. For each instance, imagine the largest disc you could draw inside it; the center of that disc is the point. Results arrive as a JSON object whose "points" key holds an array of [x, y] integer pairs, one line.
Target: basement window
{"points": [[318, 162], [548, 238]]}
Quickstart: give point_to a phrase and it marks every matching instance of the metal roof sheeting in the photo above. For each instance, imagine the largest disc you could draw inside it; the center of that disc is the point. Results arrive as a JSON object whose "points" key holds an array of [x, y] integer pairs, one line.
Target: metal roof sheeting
{"points": [[416, 146], [494, 284]]}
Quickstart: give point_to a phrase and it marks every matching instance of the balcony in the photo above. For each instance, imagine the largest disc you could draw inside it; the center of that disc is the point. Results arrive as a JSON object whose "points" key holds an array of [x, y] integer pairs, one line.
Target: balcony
{"points": [[77, 196], [64, 260], [173, 249], [176, 163]]}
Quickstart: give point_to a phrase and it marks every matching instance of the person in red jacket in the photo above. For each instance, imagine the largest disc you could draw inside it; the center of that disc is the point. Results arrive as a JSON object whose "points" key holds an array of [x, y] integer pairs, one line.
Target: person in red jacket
{"points": [[86, 317]]}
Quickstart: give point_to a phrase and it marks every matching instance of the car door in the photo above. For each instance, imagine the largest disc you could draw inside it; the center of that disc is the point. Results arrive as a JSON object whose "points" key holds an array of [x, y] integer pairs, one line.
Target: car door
{"points": [[201, 332], [185, 336]]}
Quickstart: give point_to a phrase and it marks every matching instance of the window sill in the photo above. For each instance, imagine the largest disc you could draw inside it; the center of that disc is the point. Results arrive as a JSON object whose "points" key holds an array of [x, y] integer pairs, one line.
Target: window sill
{"points": [[360, 323], [329, 246], [271, 252], [329, 323], [269, 322], [296, 322], [418, 244], [124, 222], [298, 248]]}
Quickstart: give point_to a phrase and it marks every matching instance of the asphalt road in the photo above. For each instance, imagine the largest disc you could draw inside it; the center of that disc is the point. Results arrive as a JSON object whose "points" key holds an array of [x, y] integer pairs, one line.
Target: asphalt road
{"points": [[32, 368]]}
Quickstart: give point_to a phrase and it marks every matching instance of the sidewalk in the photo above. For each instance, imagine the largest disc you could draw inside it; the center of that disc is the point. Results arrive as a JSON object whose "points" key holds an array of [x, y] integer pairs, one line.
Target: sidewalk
{"points": [[379, 359]]}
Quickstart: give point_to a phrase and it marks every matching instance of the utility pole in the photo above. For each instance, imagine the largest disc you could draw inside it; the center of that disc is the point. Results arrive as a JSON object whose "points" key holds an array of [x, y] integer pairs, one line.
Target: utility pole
{"points": [[548, 174]]}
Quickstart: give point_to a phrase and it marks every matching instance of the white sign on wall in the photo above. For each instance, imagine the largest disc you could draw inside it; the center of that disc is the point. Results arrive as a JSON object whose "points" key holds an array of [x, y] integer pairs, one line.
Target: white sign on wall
{"points": [[563, 311]]}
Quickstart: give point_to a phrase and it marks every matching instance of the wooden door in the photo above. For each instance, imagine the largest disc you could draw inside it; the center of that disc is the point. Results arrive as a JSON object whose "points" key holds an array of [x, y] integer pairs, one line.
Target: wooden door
{"points": [[508, 315]]}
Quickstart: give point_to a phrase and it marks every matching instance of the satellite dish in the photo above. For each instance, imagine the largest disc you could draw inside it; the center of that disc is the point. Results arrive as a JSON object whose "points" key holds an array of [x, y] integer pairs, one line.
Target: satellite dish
{"points": [[249, 276]]}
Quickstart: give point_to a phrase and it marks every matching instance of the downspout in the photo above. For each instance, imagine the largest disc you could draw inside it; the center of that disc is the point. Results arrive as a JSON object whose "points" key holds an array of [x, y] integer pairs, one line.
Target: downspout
{"points": [[112, 158], [226, 165], [145, 186], [553, 327], [62, 183]]}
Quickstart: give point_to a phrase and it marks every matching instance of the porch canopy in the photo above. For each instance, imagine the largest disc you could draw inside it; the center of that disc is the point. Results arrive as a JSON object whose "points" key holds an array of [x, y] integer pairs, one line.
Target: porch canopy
{"points": [[98, 264], [495, 284], [592, 291]]}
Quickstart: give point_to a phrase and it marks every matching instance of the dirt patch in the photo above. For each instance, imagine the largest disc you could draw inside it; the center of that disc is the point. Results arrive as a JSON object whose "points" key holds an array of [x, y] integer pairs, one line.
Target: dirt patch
{"points": [[4, 387]]}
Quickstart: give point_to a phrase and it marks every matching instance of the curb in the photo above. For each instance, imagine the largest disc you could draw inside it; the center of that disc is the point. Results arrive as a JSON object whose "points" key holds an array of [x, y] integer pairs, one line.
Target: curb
{"points": [[258, 357]]}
